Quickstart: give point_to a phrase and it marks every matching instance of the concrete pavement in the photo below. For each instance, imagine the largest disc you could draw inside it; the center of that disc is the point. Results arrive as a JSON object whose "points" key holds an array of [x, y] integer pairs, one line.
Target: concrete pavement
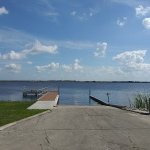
{"points": [[79, 128]]}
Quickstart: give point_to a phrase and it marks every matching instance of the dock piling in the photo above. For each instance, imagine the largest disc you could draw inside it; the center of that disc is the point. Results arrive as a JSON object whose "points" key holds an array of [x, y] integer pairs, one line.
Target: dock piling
{"points": [[89, 95], [149, 105]]}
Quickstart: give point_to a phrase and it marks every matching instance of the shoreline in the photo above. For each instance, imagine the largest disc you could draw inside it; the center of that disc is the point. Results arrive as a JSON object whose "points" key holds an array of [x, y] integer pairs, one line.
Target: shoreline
{"points": [[74, 81]]}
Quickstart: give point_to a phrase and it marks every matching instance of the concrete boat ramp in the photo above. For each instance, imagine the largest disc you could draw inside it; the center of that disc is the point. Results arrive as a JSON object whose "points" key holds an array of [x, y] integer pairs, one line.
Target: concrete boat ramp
{"points": [[79, 128], [46, 101]]}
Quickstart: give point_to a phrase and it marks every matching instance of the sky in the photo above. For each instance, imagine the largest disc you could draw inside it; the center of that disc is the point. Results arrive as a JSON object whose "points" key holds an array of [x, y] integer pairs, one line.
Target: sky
{"points": [[94, 40]]}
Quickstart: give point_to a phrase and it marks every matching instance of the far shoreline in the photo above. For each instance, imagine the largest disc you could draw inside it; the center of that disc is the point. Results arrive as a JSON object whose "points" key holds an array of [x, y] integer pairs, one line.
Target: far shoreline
{"points": [[74, 81]]}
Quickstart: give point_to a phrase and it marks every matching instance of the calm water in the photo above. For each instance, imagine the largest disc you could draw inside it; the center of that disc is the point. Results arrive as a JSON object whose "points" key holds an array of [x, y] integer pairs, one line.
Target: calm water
{"points": [[77, 93]]}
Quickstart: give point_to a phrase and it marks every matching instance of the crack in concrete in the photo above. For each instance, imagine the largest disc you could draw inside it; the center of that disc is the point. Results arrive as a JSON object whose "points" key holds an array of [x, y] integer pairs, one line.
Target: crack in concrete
{"points": [[41, 147], [48, 144]]}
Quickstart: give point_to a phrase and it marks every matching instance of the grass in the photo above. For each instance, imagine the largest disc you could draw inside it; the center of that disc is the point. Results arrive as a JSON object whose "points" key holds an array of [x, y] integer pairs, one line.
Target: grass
{"points": [[13, 111], [141, 101]]}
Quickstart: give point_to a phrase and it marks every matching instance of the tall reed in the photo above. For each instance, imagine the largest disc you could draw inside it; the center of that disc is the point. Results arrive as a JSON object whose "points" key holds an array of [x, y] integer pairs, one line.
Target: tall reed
{"points": [[141, 101]]}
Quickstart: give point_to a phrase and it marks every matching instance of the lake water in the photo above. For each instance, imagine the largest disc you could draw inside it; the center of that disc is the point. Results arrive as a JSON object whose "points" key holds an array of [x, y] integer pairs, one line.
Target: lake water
{"points": [[76, 93]]}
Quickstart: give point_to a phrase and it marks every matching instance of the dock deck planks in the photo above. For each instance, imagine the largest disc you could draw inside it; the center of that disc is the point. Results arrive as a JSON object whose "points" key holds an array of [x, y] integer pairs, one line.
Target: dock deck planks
{"points": [[49, 96]]}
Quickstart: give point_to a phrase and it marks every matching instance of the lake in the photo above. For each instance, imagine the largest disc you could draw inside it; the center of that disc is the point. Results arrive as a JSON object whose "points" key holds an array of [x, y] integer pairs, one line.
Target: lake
{"points": [[76, 93]]}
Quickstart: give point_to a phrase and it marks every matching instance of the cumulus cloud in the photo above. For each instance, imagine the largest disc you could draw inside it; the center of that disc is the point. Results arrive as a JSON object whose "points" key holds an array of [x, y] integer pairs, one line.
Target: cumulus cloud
{"points": [[73, 67], [3, 11], [37, 48], [121, 22], [13, 67], [67, 68], [77, 65], [142, 11], [132, 60], [101, 49], [51, 66], [12, 55], [131, 56], [146, 23]]}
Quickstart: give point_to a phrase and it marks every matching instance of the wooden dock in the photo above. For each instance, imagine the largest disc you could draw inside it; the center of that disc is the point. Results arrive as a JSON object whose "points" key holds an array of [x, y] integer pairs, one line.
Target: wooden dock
{"points": [[46, 101], [49, 96]]}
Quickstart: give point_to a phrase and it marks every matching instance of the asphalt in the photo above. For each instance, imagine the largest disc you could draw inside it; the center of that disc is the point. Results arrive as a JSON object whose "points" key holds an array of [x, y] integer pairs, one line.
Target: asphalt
{"points": [[79, 128]]}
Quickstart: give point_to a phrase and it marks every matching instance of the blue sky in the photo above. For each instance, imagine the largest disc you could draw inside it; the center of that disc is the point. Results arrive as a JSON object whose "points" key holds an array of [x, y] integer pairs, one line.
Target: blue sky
{"points": [[101, 40]]}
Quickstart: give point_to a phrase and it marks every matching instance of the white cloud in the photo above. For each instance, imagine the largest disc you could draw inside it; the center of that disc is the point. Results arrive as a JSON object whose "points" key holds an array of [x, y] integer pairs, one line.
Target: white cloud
{"points": [[29, 62], [73, 13], [142, 11], [93, 11], [90, 14], [121, 22], [76, 45], [67, 68], [52, 14], [133, 60], [131, 56], [131, 3], [102, 73], [76, 65], [13, 67], [38, 47], [10, 37], [101, 49], [51, 66], [146, 23], [14, 38], [135, 56], [12, 55], [85, 15], [3, 10], [73, 67], [43, 8]]}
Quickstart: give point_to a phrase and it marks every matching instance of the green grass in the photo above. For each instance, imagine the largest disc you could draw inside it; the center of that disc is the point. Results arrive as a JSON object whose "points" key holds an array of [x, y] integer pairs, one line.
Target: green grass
{"points": [[141, 101], [13, 111]]}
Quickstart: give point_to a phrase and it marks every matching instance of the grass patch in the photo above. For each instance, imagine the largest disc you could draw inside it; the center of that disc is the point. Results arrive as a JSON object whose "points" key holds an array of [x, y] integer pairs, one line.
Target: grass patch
{"points": [[13, 111], [141, 101]]}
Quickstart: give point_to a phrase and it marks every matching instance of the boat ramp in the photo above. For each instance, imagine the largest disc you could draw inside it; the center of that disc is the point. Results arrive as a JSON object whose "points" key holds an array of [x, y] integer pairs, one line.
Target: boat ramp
{"points": [[106, 104]]}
